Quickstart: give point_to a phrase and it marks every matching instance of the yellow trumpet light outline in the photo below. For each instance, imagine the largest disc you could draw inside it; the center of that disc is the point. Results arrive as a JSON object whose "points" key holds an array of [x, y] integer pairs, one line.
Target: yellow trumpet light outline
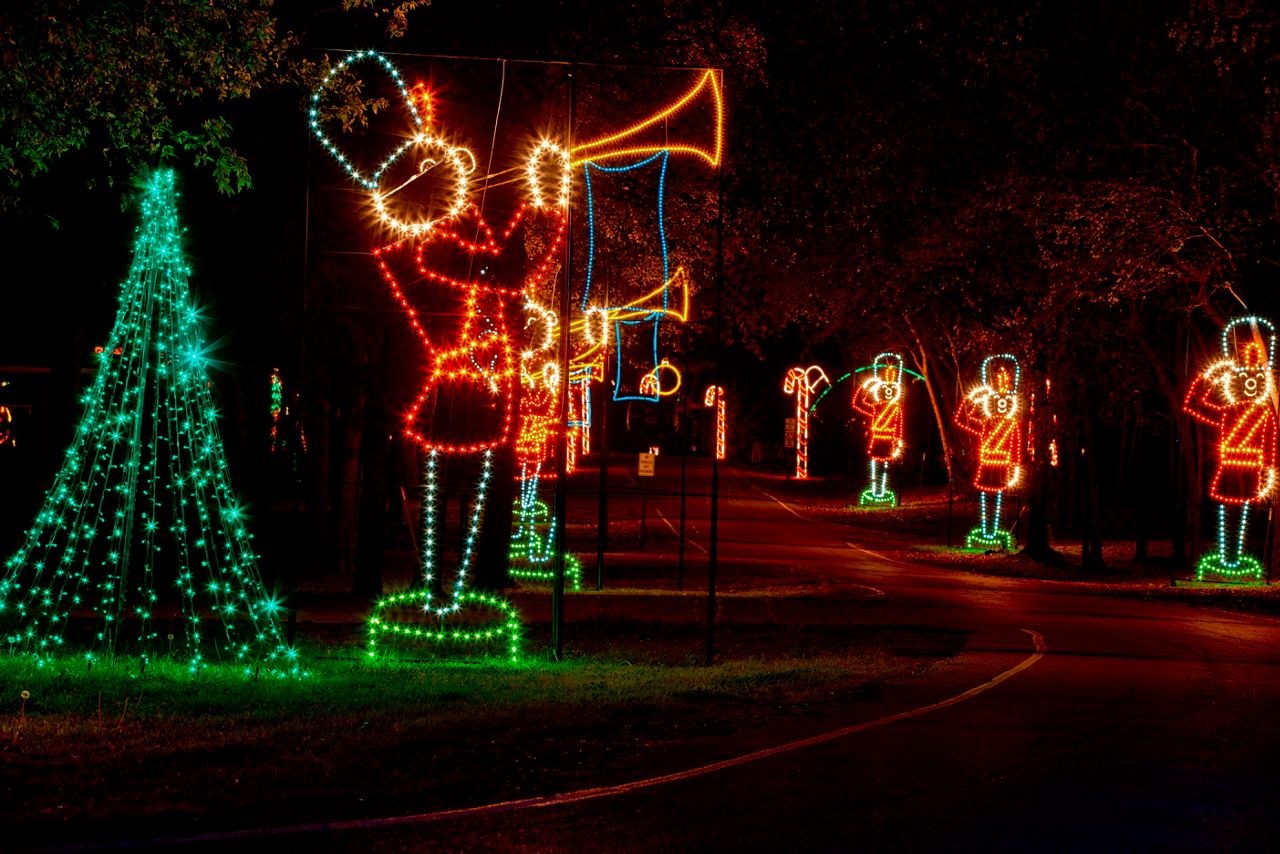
{"points": [[598, 149], [586, 359]]}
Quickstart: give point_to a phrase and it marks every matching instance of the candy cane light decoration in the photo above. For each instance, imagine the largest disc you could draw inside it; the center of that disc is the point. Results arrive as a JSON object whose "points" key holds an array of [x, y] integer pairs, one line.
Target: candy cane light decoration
{"points": [[803, 382], [714, 396], [1236, 396]]}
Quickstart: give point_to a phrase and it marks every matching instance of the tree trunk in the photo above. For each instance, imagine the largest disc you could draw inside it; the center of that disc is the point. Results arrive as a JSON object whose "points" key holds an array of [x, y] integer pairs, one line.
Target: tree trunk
{"points": [[1039, 547], [921, 357], [1091, 559]]}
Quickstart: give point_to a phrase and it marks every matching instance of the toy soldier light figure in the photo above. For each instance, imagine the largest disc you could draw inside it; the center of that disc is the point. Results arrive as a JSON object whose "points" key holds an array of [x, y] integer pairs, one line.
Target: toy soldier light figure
{"points": [[879, 398], [992, 412], [1236, 395]]}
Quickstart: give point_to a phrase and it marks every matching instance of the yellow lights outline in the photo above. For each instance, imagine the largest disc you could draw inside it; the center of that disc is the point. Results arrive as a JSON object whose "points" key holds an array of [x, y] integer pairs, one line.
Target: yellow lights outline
{"points": [[587, 359], [598, 150], [651, 383], [533, 172]]}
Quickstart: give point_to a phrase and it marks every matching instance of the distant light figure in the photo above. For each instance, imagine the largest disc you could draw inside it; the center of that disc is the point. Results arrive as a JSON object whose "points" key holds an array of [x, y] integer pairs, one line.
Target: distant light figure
{"points": [[803, 382], [993, 412], [879, 398], [1237, 396], [714, 396]]}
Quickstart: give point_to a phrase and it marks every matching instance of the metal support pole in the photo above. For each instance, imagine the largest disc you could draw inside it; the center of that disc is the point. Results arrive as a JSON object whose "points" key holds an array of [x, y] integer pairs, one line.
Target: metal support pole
{"points": [[713, 554], [562, 409]]}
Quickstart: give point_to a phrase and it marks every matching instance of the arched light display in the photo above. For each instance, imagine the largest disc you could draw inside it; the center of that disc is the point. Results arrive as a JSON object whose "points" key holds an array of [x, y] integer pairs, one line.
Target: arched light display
{"points": [[143, 502], [714, 398], [1236, 395], [992, 411], [880, 399], [803, 382]]}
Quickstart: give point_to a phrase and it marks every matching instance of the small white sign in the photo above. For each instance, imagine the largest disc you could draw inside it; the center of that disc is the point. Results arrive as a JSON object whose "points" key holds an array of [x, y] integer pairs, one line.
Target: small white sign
{"points": [[646, 464], [789, 436]]}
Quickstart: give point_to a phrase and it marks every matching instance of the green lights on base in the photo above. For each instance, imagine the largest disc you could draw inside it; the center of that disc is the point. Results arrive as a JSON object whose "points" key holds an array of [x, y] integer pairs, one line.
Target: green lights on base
{"points": [[455, 620], [143, 505], [997, 540], [1246, 568], [869, 498], [425, 625], [543, 573], [531, 557]]}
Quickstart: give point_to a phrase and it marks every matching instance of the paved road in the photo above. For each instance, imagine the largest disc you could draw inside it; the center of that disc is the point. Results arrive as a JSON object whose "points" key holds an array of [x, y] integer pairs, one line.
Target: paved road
{"points": [[1144, 726]]}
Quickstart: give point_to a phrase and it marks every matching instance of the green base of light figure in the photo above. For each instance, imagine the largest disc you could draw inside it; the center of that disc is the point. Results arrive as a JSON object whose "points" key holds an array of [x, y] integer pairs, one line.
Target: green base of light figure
{"points": [[467, 618], [542, 573], [385, 626], [996, 541], [1229, 562], [988, 536], [531, 558], [1246, 568], [869, 498], [878, 493]]}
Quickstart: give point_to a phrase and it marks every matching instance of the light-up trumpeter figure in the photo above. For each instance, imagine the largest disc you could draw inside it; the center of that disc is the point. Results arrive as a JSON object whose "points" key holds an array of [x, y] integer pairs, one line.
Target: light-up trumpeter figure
{"points": [[458, 267], [1236, 395], [879, 398], [803, 382], [993, 413]]}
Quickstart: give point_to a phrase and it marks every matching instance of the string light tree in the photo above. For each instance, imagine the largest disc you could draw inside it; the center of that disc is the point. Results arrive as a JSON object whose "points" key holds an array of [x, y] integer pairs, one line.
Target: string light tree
{"points": [[993, 412], [880, 399], [143, 506], [1236, 395], [803, 382], [468, 402]]}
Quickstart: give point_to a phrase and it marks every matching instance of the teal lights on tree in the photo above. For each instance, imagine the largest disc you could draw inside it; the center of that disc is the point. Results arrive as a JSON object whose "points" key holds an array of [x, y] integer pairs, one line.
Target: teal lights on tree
{"points": [[1236, 396], [141, 526]]}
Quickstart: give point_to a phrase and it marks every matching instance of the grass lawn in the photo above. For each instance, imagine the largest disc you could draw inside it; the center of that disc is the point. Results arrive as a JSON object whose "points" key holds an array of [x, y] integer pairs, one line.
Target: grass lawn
{"points": [[115, 753]]}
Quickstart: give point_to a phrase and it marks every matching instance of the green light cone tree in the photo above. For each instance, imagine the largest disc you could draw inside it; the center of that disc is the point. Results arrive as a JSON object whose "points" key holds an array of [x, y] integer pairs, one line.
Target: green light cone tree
{"points": [[141, 527]]}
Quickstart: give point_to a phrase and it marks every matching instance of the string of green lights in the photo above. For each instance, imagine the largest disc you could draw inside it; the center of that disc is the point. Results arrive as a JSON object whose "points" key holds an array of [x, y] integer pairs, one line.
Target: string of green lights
{"points": [[141, 527]]}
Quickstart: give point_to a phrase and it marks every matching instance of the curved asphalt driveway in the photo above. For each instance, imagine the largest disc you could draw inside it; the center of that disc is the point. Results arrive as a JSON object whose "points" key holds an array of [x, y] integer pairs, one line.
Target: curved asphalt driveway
{"points": [[1145, 726]]}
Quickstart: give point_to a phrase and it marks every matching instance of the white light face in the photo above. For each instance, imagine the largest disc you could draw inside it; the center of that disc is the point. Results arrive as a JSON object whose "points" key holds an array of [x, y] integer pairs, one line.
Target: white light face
{"points": [[1252, 385]]}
